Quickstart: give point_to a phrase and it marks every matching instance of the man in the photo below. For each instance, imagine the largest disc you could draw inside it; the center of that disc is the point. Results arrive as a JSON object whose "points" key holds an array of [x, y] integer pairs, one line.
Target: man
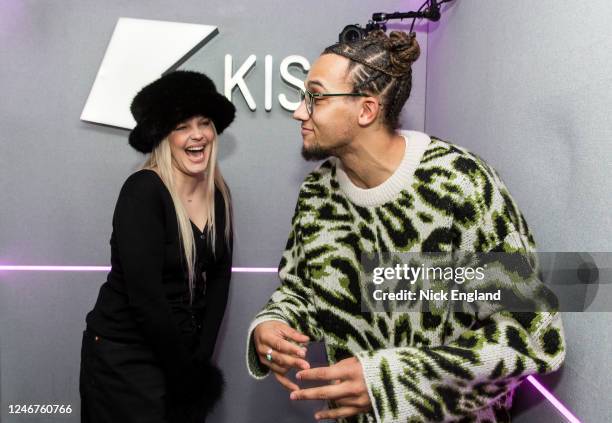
{"points": [[384, 190]]}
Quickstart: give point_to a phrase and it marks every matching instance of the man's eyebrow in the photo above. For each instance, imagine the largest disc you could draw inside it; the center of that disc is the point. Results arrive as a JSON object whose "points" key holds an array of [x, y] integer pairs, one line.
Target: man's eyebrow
{"points": [[316, 82]]}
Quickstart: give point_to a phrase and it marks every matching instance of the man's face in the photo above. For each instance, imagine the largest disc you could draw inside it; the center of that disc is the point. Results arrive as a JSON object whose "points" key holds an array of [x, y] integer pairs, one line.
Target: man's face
{"points": [[333, 121]]}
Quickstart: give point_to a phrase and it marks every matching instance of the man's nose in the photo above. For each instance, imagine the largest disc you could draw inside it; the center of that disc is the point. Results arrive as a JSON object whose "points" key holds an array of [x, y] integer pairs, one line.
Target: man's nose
{"points": [[301, 113]]}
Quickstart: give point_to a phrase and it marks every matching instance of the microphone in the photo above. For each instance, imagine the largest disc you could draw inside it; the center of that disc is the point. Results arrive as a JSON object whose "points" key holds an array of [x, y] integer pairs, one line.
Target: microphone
{"points": [[379, 17], [384, 17], [432, 13]]}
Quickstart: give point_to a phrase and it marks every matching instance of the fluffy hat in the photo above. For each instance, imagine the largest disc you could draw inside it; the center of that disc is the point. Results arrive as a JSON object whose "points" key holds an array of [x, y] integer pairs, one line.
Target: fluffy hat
{"points": [[171, 99]]}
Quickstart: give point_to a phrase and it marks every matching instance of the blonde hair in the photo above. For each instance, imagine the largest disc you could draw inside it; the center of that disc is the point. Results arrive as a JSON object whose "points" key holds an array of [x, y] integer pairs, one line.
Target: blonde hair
{"points": [[160, 159]]}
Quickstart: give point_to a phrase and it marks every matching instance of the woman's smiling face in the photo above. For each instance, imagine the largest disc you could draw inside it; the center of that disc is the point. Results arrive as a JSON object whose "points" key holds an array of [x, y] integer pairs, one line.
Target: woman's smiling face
{"points": [[191, 145]]}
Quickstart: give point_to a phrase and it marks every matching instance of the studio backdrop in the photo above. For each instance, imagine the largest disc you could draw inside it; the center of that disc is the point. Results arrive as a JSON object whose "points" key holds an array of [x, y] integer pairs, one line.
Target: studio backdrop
{"points": [[523, 84]]}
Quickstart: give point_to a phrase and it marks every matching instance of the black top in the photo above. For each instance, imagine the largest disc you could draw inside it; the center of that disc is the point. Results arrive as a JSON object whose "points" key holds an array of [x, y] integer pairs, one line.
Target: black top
{"points": [[146, 296]]}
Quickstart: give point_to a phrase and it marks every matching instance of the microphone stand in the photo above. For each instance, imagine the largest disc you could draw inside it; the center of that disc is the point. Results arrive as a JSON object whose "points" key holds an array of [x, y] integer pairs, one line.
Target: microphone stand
{"points": [[432, 13]]}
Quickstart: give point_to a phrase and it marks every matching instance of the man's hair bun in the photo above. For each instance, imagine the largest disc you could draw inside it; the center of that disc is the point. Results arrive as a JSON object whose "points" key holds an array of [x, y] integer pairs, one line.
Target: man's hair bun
{"points": [[403, 49]]}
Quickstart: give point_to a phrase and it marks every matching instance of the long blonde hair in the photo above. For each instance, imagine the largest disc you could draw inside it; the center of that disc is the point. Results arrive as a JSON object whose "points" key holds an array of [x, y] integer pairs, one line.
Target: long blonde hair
{"points": [[160, 160]]}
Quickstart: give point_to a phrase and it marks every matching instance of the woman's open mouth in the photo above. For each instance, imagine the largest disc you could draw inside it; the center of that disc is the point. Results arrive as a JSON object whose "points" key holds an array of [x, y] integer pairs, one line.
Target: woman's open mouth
{"points": [[195, 154]]}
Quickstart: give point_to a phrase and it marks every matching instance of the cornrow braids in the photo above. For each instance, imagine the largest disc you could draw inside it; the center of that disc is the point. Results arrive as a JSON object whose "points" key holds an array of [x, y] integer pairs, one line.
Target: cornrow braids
{"points": [[382, 65]]}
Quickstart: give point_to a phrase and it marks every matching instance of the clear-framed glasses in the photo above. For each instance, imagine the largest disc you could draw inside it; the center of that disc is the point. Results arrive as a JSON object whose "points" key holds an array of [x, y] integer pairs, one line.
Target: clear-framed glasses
{"points": [[309, 98]]}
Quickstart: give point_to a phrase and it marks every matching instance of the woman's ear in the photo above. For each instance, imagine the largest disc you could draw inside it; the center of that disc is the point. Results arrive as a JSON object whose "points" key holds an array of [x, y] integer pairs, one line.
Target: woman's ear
{"points": [[370, 109]]}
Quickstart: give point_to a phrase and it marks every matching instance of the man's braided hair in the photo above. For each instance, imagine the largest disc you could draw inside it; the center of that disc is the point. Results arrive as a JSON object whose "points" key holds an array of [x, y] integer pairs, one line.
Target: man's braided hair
{"points": [[382, 65]]}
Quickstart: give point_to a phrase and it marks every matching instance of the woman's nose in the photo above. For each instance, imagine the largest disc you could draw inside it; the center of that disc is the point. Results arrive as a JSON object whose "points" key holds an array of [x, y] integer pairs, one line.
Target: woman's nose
{"points": [[197, 133]]}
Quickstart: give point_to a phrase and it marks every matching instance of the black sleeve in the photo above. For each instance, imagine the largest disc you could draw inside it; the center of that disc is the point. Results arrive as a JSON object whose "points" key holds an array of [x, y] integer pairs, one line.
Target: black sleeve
{"points": [[217, 285], [139, 226]]}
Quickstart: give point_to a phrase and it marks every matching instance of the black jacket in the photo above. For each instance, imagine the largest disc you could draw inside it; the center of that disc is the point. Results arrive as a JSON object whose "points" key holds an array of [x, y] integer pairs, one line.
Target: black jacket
{"points": [[146, 297]]}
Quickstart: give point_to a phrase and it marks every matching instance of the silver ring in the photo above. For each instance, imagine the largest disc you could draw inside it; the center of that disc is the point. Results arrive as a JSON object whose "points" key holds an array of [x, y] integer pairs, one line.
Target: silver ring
{"points": [[269, 355]]}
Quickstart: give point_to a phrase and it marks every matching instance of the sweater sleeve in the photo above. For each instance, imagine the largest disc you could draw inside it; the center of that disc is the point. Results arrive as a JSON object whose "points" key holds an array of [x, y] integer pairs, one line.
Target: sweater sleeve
{"points": [[486, 361], [291, 302], [217, 286], [139, 228]]}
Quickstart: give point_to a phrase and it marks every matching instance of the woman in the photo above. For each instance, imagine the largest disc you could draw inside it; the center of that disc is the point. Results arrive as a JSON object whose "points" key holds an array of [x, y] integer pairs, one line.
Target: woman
{"points": [[150, 337]]}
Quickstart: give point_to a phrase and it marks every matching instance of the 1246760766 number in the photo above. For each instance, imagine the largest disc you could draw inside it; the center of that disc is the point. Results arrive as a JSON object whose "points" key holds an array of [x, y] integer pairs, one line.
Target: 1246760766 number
{"points": [[40, 409]]}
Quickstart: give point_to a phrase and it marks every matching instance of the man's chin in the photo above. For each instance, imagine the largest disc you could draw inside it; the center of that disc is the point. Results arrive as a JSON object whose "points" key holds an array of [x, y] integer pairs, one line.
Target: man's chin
{"points": [[314, 154]]}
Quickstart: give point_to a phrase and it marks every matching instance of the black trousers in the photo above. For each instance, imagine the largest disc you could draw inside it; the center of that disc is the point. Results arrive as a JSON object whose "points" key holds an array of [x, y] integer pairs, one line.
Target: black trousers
{"points": [[120, 383]]}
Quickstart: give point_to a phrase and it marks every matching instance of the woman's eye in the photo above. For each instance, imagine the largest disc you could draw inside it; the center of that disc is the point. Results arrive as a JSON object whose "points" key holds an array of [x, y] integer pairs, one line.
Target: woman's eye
{"points": [[205, 122], [180, 128]]}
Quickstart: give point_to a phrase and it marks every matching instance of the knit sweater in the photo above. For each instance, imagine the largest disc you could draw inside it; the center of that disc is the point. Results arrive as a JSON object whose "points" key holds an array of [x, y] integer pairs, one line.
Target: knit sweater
{"points": [[455, 366]]}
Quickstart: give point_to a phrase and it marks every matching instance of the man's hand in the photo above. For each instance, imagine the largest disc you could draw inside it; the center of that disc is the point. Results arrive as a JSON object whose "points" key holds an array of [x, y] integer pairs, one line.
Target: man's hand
{"points": [[347, 389], [275, 335]]}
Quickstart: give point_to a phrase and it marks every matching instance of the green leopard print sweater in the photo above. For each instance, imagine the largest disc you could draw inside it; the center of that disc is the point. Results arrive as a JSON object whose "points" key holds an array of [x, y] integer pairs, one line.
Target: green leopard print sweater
{"points": [[418, 367]]}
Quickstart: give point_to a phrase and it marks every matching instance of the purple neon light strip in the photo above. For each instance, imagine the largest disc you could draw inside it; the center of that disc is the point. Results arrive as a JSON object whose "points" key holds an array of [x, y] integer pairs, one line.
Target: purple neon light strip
{"points": [[545, 392], [553, 400], [107, 268], [55, 268]]}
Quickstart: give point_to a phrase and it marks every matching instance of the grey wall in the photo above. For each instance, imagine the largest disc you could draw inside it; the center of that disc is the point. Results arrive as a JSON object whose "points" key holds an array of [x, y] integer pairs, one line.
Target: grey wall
{"points": [[521, 83], [60, 177], [527, 85]]}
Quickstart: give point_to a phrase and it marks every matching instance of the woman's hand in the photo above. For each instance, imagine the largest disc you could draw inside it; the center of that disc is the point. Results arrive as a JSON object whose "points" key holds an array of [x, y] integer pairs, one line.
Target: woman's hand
{"points": [[272, 337]]}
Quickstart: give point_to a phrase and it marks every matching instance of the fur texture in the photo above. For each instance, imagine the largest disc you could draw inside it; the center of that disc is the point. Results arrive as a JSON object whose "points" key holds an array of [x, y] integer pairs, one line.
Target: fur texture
{"points": [[171, 99]]}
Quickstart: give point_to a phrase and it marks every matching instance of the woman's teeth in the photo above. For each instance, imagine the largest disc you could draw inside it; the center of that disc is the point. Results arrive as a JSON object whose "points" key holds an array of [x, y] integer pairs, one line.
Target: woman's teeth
{"points": [[194, 151]]}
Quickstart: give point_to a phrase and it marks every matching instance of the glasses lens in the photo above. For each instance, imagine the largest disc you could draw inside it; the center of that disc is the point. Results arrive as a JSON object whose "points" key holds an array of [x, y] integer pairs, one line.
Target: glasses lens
{"points": [[305, 97]]}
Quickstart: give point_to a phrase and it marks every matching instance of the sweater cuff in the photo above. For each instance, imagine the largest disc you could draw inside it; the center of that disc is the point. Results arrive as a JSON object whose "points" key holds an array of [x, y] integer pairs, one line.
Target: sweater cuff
{"points": [[254, 366], [379, 368]]}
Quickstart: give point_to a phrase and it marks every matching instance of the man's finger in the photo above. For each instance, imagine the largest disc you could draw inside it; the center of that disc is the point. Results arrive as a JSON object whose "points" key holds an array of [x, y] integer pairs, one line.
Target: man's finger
{"points": [[290, 361], [289, 332], [328, 392], [336, 413], [322, 373], [283, 360], [286, 347], [281, 345], [286, 382], [274, 367], [353, 402]]}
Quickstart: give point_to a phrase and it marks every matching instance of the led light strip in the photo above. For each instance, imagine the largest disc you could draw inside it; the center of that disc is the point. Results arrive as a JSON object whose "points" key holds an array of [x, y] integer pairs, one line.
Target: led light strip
{"points": [[107, 268], [545, 392], [553, 400]]}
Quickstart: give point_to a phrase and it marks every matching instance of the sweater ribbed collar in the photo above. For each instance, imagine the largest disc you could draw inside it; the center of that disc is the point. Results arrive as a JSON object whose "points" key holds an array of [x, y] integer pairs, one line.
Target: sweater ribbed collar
{"points": [[416, 144]]}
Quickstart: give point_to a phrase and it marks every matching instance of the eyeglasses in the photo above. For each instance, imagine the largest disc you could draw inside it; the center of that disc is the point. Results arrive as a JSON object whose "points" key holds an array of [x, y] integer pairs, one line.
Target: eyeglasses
{"points": [[309, 98]]}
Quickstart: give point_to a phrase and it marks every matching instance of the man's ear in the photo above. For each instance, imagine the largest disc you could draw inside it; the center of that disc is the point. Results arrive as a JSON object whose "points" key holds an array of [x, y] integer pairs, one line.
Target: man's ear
{"points": [[370, 109]]}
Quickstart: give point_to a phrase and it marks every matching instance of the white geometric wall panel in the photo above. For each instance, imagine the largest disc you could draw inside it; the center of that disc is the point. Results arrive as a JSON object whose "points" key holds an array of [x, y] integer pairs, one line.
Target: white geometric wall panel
{"points": [[139, 52]]}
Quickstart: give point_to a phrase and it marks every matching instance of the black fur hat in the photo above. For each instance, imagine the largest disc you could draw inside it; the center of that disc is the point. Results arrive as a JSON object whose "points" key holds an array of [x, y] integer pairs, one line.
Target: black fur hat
{"points": [[171, 99]]}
